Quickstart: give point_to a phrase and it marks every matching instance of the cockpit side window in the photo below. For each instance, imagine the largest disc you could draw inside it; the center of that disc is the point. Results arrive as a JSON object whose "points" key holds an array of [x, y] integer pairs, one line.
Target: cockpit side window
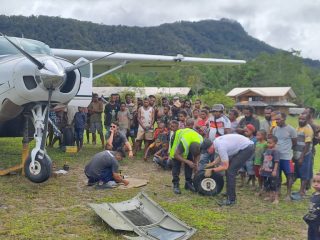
{"points": [[34, 47], [30, 46], [6, 48]]}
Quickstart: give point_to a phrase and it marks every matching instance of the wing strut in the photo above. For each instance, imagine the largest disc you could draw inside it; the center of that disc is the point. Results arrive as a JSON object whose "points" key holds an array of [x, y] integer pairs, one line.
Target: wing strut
{"points": [[121, 65]]}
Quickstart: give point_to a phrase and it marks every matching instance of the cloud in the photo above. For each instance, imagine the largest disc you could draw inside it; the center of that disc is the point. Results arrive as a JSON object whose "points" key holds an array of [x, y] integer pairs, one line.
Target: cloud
{"points": [[284, 24]]}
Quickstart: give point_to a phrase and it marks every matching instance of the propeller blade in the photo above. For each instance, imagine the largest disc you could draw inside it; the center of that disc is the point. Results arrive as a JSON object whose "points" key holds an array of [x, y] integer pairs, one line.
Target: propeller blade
{"points": [[72, 68], [39, 64]]}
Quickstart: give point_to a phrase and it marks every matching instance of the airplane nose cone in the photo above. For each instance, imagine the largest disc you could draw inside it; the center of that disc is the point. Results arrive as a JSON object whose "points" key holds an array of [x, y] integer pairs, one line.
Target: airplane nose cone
{"points": [[52, 75]]}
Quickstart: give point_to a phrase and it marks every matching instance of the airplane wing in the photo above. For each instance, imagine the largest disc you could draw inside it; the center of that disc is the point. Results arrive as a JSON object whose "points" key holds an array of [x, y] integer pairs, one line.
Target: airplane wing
{"points": [[126, 62], [129, 62]]}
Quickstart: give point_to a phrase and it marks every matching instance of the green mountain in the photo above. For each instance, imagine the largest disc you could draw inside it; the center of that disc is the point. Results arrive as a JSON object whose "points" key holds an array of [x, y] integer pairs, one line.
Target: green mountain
{"points": [[215, 38], [267, 66], [224, 38]]}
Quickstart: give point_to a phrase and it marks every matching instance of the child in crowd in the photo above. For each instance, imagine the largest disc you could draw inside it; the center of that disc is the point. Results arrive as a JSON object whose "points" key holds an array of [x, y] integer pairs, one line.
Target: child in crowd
{"points": [[249, 131], [79, 120], [162, 156], [273, 122], [165, 117], [201, 123], [182, 116], [161, 132], [124, 117], [270, 170], [312, 218], [233, 115], [160, 136], [261, 147]]}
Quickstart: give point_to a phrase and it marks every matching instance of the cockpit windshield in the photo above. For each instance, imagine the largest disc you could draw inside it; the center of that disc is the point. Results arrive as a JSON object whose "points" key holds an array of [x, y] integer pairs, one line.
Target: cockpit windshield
{"points": [[30, 46]]}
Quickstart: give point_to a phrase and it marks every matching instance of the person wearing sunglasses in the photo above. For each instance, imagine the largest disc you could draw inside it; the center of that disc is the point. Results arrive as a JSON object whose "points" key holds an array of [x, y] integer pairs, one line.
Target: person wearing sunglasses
{"points": [[117, 141]]}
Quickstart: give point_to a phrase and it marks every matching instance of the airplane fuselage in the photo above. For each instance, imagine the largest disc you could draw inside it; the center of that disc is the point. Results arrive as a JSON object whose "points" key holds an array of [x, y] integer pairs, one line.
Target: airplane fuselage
{"points": [[22, 83]]}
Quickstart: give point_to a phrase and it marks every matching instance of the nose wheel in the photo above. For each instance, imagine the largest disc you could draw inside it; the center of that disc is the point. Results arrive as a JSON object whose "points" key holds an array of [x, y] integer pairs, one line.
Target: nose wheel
{"points": [[40, 170]]}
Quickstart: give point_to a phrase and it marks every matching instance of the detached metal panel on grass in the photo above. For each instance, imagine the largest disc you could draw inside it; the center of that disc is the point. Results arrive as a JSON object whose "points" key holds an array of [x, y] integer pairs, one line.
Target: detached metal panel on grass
{"points": [[144, 217]]}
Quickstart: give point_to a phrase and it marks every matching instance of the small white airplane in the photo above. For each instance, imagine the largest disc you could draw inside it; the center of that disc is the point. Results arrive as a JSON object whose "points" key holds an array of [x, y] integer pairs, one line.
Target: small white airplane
{"points": [[34, 77]]}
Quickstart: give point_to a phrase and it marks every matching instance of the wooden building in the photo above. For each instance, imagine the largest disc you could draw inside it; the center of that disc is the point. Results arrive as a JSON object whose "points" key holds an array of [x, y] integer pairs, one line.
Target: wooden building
{"points": [[259, 97]]}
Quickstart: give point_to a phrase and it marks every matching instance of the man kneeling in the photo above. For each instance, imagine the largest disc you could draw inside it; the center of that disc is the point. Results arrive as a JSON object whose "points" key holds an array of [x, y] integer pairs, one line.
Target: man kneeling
{"points": [[103, 168]]}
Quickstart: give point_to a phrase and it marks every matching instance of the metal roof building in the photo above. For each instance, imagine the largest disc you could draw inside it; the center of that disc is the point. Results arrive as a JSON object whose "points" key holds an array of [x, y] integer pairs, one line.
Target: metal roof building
{"points": [[260, 97], [263, 91], [142, 91]]}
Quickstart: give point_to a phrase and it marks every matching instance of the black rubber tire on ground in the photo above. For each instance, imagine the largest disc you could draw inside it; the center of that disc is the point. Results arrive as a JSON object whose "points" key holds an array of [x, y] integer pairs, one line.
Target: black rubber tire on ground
{"points": [[43, 167], [208, 186]]}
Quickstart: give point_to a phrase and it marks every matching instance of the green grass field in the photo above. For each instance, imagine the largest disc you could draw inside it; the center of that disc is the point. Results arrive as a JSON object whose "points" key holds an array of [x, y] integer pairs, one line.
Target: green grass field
{"points": [[57, 209]]}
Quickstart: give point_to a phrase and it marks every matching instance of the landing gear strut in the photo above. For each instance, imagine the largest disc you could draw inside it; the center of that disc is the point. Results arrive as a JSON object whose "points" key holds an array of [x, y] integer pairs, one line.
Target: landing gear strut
{"points": [[38, 165]]}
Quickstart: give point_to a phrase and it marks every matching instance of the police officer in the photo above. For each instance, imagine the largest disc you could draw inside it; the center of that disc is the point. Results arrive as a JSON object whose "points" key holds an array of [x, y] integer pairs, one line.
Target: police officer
{"points": [[185, 148]]}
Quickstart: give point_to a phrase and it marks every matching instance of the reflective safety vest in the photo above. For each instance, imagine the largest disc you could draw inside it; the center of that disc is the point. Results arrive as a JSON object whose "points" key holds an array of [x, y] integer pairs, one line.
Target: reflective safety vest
{"points": [[185, 136]]}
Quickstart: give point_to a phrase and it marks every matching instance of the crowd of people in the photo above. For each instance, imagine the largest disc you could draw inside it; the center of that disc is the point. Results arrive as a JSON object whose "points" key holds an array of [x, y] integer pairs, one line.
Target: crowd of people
{"points": [[203, 138]]}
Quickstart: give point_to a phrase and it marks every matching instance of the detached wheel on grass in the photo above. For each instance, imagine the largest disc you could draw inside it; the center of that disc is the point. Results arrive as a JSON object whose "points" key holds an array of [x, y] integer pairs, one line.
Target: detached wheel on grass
{"points": [[41, 170], [208, 186]]}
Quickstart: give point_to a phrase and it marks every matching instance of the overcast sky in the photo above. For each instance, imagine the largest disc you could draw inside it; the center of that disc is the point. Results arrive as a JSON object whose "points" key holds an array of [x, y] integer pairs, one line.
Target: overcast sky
{"points": [[284, 24]]}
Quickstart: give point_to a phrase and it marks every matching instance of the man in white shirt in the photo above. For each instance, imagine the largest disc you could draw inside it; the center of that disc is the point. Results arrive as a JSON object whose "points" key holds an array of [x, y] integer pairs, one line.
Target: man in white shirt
{"points": [[233, 150]]}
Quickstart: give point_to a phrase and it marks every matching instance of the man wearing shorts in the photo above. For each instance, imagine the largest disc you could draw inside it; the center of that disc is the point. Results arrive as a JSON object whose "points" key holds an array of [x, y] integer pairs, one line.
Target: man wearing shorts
{"points": [[146, 120], [95, 109], [303, 155], [287, 139], [103, 168]]}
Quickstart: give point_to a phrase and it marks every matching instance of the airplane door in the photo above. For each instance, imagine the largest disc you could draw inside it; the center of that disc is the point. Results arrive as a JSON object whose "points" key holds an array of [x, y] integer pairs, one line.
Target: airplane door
{"points": [[84, 95]]}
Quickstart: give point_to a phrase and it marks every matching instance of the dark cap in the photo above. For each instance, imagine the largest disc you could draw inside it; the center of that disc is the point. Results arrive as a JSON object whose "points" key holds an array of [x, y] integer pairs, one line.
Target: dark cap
{"points": [[217, 108], [205, 145]]}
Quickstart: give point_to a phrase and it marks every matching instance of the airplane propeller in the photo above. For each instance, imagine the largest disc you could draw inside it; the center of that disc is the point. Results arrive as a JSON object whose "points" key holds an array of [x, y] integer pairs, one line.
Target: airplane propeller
{"points": [[39, 64]]}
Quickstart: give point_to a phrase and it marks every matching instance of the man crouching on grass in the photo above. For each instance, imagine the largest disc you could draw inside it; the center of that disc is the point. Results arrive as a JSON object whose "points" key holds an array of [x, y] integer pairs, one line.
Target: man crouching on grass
{"points": [[103, 168]]}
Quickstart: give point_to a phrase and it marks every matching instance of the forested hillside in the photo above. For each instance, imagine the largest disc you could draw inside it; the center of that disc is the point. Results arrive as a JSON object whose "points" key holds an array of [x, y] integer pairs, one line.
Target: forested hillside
{"points": [[224, 38], [267, 66]]}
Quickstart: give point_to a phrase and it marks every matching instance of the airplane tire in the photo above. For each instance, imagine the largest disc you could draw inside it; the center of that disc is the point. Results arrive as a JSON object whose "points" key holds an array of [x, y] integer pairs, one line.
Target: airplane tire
{"points": [[208, 186], [42, 170]]}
